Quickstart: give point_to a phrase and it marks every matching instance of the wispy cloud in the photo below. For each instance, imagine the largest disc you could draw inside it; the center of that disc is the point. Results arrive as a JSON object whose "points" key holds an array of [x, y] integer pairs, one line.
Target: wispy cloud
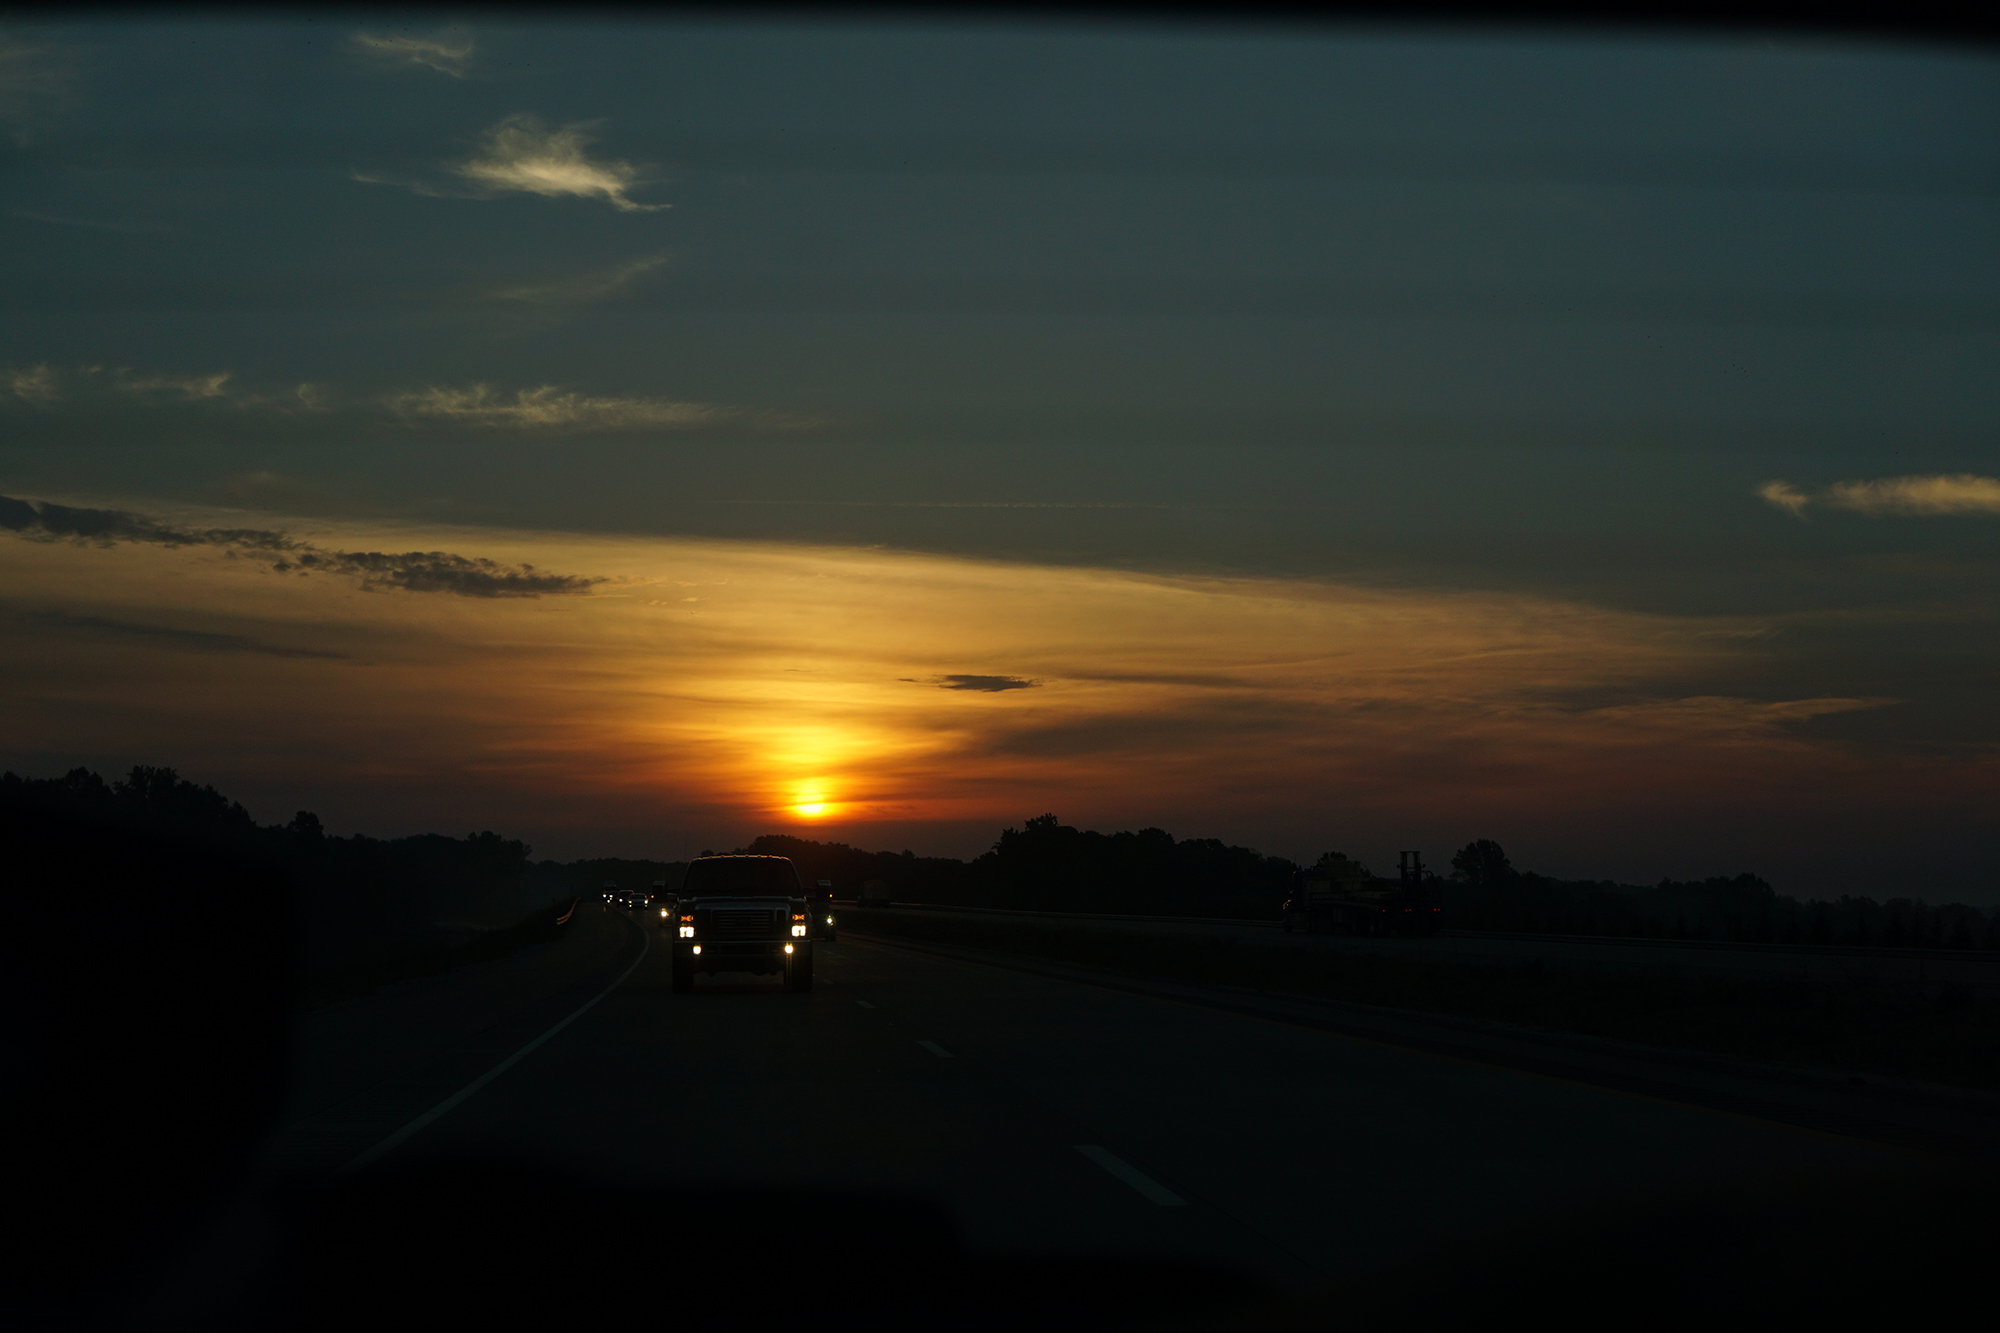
{"points": [[986, 684], [1937, 495], [521, 155], [190, 387], [1783, 495], [410, 571], [483, 405], [36, 384], [43, 383], [1961, 493], [542, 407], [584, 288], [446, 52]]}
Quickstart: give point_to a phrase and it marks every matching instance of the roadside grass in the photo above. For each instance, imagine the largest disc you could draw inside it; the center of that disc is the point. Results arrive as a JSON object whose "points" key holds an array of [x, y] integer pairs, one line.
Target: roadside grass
{"points": [[1933, 1034]]}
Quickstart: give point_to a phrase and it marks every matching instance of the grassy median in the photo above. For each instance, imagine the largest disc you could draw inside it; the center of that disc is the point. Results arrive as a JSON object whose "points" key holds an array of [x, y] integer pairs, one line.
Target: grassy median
{"points": [[1935, 1034]]}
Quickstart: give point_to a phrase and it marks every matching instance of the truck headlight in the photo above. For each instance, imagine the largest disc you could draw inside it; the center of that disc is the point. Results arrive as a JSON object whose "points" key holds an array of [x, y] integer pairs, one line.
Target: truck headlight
{"points": [[798, 932], [687, 932], [788, 948]]}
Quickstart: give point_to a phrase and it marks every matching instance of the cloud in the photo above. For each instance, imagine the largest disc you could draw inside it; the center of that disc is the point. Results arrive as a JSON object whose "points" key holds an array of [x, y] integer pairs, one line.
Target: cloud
{"points": [[37, 384], [1908, 497], [447, 52], [410, 571], [1960, 493], [96, 385], [437, 571], [520, 155], [585, 288], [543, 407], [482, 405], [190, 387], [1783, 496], [986, 684]]}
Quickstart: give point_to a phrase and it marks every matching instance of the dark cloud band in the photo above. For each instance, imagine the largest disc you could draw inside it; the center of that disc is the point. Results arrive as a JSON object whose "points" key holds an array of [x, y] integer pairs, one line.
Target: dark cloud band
{"points": [[986, 684], [410, 571]]}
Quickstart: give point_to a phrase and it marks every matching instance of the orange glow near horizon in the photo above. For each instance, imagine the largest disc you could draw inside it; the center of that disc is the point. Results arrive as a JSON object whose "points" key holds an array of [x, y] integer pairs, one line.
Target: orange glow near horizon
{"points": [[729, 677]]}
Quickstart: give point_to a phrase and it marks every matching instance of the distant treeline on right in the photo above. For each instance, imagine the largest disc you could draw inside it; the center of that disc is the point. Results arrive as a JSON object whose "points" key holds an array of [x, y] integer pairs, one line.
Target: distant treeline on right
{"points": [[1047, 865], [1485, 892]]}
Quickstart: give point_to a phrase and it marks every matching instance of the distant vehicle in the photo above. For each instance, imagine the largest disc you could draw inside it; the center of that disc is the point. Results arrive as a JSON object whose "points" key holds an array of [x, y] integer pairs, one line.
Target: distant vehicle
{"points": [[820, 905], [1339, 895], [874, 893], [742, 914]]}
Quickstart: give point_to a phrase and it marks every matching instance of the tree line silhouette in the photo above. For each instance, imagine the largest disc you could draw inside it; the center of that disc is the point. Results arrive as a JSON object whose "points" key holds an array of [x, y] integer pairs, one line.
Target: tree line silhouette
{"points": [[364, 902], [1487, 893], [362, 906], [1047, 865]]}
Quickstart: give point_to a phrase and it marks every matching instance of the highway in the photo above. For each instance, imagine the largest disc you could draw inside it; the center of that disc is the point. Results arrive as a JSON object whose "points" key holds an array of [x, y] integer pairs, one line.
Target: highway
{"points": [[1044, 1115], [1974, 970]]}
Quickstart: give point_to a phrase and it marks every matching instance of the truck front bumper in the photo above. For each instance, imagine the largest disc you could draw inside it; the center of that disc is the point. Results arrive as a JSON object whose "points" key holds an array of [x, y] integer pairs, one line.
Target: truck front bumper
{"points": [[739, 955]]}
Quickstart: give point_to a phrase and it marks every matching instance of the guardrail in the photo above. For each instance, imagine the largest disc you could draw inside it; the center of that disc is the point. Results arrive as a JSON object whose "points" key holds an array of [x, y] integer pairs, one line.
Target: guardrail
{"points": [[1625, 941]]}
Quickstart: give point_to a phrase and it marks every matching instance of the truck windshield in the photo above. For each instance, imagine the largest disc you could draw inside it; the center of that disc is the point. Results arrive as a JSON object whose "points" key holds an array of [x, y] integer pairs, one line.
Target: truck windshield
{"points": [[741, 876]]}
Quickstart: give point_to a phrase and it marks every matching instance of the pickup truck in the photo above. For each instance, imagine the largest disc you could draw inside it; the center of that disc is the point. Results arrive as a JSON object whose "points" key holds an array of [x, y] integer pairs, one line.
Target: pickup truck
{"points": [[742, 914]]}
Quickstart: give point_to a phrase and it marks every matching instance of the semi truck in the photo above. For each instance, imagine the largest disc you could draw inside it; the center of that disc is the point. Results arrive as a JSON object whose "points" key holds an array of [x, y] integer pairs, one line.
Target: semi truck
{"points": [[1340, 896]]}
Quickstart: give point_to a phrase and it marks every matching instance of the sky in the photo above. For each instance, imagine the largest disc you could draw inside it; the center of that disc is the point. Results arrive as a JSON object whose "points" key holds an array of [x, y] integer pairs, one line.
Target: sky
{"points": [[638, 436]]}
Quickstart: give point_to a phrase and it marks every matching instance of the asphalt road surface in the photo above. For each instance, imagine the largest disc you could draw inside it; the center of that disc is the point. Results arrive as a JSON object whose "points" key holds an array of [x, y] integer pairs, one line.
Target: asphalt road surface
{"points": [[1048, 1116]]}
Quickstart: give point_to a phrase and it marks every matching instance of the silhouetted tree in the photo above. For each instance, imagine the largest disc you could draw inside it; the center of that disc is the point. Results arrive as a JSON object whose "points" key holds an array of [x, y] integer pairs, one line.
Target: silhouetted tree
{"points": [[1481, 865]]}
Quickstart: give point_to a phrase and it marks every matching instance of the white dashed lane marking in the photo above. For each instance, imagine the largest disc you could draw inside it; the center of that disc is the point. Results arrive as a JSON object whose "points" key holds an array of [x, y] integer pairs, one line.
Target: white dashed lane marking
{"points": [[1132, 1175], [935, 1049], [864, 1004]]}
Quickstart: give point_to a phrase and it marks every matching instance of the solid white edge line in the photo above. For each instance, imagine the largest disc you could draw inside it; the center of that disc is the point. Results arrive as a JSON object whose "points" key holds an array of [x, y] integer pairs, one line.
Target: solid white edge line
{"points": [[935, 1049], [1131, 1175], [386, 1145]]}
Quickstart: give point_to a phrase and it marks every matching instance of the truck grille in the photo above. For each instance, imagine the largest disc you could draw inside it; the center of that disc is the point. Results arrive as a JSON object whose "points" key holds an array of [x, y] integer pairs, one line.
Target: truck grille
{"points": [[744, 923]]}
